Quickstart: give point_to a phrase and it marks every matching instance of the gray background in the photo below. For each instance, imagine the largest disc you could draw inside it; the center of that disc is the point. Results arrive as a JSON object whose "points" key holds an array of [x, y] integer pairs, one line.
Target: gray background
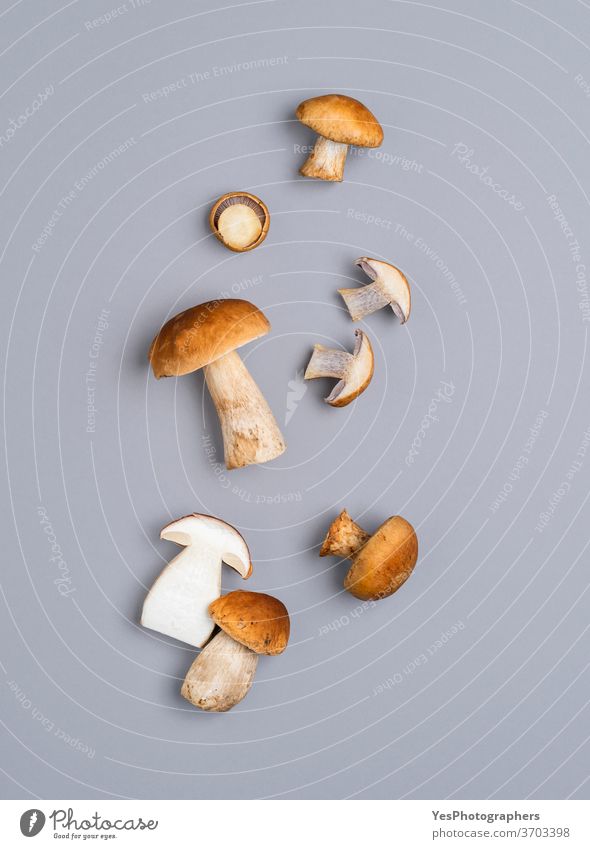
{"points": [[365, 703]]}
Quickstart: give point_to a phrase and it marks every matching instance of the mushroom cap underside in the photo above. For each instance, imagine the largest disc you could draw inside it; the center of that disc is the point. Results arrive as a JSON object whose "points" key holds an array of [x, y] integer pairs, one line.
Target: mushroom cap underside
{"points": [[258, 621], [385, 562], [202, 334], [341, 119], [200, 529]]}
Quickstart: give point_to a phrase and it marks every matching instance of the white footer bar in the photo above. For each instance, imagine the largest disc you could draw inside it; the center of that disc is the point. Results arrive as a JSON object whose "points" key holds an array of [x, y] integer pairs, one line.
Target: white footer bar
{"points": [[301, 824]]}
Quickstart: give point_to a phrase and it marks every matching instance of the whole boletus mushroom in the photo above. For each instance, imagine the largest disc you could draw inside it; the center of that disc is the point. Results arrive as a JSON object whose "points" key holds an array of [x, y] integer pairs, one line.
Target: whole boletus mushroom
{"points": [[207, 336], [339, 121], [380, 563], [251, 624]]}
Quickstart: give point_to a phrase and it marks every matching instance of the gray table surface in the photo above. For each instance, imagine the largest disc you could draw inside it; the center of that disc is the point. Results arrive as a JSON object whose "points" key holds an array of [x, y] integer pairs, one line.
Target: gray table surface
{"points": [[118, 130]]}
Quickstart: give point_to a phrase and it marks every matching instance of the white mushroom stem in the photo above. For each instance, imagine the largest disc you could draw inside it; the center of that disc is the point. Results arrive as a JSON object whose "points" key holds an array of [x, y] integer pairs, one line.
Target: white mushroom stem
{"points": [[326, 161], [353, 370], [221, 675], [177, 604], [249, 429], [389, 287], [344, 538]]}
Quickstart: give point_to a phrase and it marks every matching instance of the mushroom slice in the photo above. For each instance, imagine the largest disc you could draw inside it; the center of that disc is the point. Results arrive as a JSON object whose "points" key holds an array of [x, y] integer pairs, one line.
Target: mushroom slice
{"points": [[178, 602], [353, 370], [389, 287], [240, 221], [221, 675]]}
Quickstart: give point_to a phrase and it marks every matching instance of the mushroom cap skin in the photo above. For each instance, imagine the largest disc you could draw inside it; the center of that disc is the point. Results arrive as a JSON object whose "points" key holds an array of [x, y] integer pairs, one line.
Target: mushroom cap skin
{"points": [[256, 620], [385, 562], [341, 119], [205, 333], [360, 375]]}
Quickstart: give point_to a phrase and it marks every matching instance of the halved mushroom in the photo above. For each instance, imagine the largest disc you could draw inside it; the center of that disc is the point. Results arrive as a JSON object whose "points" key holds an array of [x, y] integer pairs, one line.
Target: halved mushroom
{"points": [[354, 371], [207, 336], [240, 221], [251, 624], [389, 287], [178, 602], [380, 563], [339, 121]]}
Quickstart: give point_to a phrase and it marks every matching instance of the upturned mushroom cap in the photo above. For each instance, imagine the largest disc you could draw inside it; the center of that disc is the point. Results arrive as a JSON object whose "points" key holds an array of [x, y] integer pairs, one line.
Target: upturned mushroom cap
{"points": [[384, 562], [256, 620], [341, 119], [200, 335]]}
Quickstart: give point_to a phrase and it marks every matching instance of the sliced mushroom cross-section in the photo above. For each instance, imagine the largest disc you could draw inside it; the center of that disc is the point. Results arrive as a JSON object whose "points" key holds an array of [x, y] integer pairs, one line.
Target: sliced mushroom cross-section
{"points": [[178, 603], [353, 371], [388, 287], [240, 221]]}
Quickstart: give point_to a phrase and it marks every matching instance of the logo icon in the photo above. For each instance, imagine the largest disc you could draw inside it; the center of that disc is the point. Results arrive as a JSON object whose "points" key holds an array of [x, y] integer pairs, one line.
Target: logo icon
{"points": [[32, 822], [296, 390]]}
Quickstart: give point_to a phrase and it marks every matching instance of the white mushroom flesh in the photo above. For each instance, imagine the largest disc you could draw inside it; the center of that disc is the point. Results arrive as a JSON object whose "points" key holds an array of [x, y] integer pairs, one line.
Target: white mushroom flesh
{"points": [[177, 605], [239, 226]]}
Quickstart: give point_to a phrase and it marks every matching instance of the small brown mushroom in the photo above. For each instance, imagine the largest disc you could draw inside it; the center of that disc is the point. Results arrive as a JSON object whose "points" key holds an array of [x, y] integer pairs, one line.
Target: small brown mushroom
{"points": [[339, 121], [240, 221], [354, 371], [389, 287], [206, 337], [251, 624], [380, 563]]}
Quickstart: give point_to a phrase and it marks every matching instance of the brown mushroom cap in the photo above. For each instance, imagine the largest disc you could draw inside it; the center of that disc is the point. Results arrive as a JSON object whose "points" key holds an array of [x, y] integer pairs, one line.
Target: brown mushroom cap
{"points": [[200, 335], [258, 621], [341, 119], [385, 562]]}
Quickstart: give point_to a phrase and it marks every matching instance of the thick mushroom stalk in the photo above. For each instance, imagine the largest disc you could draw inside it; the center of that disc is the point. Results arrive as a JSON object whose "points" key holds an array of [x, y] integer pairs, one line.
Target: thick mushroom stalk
{"points": [[178, 602], [380, 563], [389, 287], [344, 538], [249, 429], [354, 371], [221, 675], [326, 161]]}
